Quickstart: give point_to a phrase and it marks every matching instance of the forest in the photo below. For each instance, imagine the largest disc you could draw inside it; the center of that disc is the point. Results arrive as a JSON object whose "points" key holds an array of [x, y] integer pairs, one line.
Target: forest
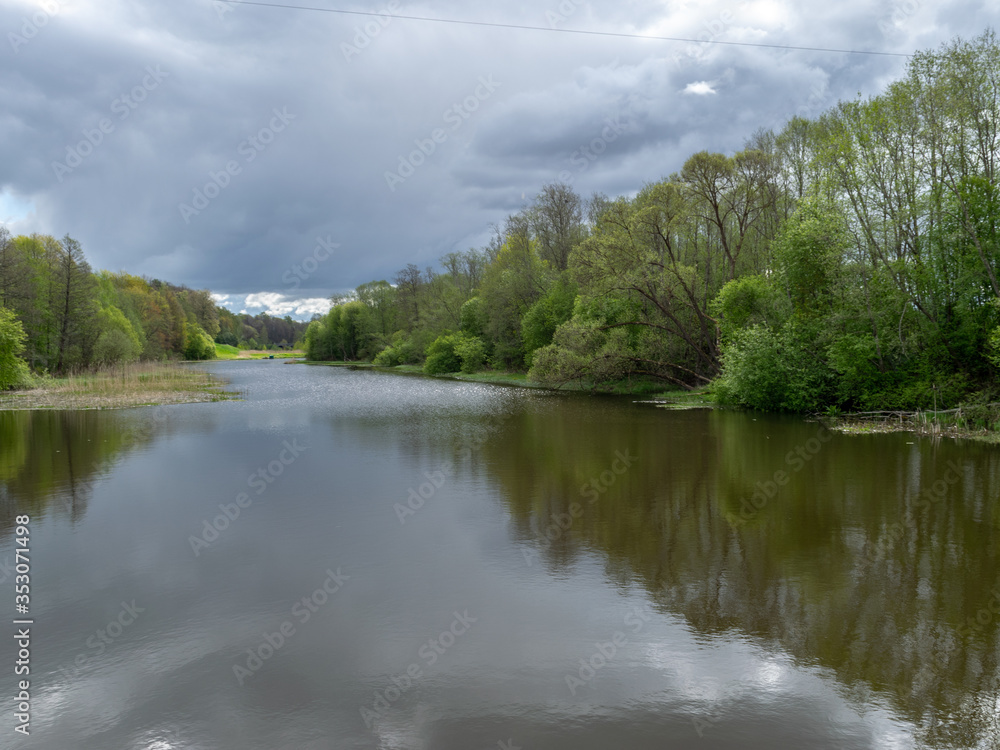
{"points": [[57, 316], [845, 262]]}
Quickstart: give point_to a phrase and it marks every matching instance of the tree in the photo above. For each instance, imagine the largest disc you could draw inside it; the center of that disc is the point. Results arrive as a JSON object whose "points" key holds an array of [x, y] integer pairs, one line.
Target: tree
{"points": [[542, 319], [197, 343], [13, 369], [513, 282], [557, 222], [118, 342], [75, 286]]}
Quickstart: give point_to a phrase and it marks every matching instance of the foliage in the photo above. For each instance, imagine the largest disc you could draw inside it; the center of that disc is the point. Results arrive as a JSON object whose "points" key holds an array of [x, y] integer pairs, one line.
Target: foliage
{"points": [[118, 342], [441, 355], [197, 343], [402, 351], [746, 301], [13, 369], [553, 309], [848, 261], [471, 350], [227, 338], [772, 371]]}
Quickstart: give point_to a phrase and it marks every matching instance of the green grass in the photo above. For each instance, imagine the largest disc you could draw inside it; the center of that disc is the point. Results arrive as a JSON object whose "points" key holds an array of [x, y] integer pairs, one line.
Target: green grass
{"points": [[226, 352]]}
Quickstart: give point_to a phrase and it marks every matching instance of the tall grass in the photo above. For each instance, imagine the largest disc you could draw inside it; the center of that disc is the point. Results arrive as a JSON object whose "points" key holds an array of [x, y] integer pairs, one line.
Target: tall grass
{"points": [[121, 386], [144, 377]]}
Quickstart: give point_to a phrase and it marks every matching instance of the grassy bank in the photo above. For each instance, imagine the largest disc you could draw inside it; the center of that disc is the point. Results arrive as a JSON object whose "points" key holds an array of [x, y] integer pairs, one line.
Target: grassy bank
{"points": [[971, 421], [227, 352], [120, 387]]}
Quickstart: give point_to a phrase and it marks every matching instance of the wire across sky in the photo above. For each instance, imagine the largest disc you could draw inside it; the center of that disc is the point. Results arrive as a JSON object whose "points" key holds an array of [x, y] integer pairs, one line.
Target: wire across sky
{"points": [[624, 35]]}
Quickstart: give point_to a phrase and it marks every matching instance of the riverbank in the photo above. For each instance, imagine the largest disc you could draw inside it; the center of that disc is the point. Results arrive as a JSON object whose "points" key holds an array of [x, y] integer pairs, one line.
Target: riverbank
{"points": [[651, 389], [226, 352], [144, 384], [979, 422]]}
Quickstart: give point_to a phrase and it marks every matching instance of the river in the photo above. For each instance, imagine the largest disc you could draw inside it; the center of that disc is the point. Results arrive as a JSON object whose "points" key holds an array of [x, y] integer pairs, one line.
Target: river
{"points": [[351, 559]]}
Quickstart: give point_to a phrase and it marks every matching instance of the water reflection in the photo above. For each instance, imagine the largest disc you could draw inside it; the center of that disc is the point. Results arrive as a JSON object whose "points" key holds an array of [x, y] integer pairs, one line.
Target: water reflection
{"points": [[870, 556], [803, 591], [50, 460]]}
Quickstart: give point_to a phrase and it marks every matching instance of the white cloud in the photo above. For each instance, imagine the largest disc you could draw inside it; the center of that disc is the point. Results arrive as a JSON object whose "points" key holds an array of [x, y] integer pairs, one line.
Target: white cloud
{"points": [[280, 305], [699, 88]]}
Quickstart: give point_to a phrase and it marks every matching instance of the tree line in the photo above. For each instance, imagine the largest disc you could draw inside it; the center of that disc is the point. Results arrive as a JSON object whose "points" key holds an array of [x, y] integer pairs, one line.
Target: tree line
{"points": [[58, 316], [846, 261]]}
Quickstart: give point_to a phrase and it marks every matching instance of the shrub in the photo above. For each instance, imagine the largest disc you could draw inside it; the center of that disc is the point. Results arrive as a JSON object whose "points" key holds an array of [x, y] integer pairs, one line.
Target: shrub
{"points": [[197, 343], [228, 338], [13, 370], [471, 350], [772, 371], [402, 351], [119, 343], [441, 356]]}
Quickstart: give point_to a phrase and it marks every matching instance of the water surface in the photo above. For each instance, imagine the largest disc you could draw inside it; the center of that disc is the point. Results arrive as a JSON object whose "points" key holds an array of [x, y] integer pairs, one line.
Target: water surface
{"points": [[350, 559]]}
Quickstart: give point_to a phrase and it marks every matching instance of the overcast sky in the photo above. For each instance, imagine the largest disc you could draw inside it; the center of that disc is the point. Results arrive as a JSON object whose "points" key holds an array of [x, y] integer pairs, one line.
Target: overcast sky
{"points": [[278, 156]]}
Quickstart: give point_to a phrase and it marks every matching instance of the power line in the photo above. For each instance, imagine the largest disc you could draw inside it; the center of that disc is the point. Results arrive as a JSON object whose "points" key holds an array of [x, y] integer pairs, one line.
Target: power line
{"points": [[563, 31]]}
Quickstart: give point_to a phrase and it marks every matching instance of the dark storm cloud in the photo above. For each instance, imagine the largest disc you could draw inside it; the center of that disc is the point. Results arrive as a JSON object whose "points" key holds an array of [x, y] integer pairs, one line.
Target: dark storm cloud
{"points": [[219, 145]]}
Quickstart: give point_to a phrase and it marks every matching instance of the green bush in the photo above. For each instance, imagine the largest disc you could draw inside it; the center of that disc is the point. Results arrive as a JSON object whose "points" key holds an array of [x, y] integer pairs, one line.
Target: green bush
{"points": [[993, 347], [471, 350], [402, 351], [473, 317], [441, 355], [772, 371], [197, 343], [119, 343], [553, 309], [14, 371], [750, 300]]}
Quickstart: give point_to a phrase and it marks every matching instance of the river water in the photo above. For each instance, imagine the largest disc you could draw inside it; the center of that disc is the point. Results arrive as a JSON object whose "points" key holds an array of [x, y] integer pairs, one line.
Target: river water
{"points": [[349, 559]]}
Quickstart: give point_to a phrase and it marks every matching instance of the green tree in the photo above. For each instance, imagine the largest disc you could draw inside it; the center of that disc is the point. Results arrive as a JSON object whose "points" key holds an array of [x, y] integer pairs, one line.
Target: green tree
{"points": [[118, 342], [13, 369], [553, 309], [197, 344]]}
